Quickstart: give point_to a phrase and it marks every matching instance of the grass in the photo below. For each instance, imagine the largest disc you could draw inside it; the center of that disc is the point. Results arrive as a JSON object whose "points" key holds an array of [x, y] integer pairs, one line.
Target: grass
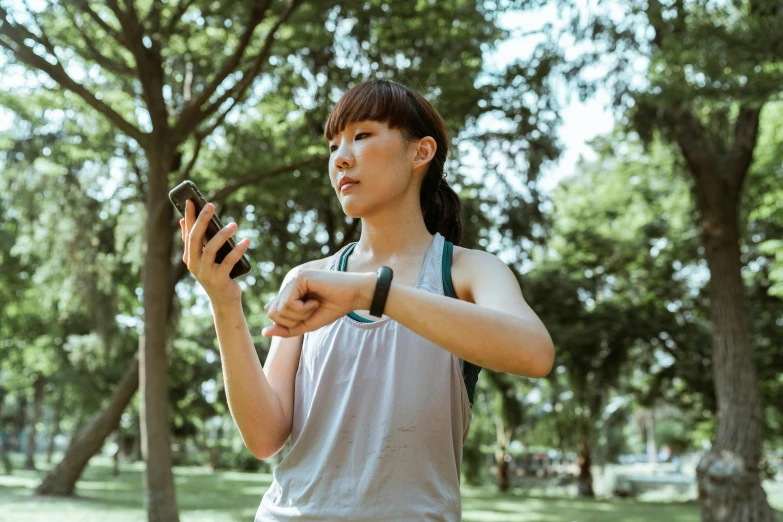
{"points": [[228, 496]]}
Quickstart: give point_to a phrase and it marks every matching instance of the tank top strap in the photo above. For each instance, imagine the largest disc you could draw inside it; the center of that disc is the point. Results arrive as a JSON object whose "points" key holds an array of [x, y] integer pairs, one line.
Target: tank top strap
{"points": [[339, 256], [432, 278], [432, 269]]}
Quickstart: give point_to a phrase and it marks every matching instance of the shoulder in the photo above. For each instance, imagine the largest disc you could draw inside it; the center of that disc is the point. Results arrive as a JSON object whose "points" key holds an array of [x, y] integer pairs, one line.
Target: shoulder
{"points": [[467, 266]]}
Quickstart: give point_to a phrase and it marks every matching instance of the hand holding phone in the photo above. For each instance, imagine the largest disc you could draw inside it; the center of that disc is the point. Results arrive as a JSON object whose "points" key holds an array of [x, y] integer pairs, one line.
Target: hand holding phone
{"points": [[210, 253], [213, 276]]}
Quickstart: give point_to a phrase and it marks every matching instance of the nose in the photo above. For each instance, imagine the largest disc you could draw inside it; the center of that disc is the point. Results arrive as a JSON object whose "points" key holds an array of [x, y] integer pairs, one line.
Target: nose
{"points": [[343, 159]]}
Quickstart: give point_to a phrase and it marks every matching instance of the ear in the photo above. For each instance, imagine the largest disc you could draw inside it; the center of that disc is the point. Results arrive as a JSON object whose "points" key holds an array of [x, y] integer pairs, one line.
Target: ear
{"points": [[425, 151]]}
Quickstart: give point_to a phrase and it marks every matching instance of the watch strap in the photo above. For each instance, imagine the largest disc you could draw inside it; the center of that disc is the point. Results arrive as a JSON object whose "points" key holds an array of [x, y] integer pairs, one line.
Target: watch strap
{"points": [[382, 286]]}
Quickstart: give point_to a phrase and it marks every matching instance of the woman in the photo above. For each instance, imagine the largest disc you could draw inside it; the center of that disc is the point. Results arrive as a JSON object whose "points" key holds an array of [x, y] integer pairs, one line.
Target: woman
{"points": [[370, 347]]}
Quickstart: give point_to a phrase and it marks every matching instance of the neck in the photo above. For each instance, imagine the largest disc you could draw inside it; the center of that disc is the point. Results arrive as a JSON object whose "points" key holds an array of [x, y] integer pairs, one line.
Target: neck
{"points": [[392, 234]]}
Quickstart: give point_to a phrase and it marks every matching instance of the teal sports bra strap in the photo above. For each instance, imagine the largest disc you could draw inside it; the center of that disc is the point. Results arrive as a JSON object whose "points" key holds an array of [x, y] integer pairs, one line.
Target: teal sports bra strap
{"points": [[470, 371]]}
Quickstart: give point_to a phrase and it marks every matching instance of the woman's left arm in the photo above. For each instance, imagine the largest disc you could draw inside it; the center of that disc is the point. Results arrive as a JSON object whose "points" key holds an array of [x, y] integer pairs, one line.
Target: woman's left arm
{"points": [[499, 332]]}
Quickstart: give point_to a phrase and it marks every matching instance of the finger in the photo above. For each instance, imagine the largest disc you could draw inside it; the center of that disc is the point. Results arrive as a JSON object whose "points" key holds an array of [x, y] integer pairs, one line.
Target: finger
{"points": [[214, 244], [190, 214], [283, 320], [276, 329], [289, 314], [295, 311], [233, 257], [196, 235], [184, 236]]}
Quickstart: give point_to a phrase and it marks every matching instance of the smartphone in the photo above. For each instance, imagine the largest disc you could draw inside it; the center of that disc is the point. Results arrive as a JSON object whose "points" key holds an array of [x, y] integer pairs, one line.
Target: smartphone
{"points": [[187, 190]]}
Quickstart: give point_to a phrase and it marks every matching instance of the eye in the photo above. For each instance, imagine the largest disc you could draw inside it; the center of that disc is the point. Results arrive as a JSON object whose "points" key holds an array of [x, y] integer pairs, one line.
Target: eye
{"points": [[334, 147]]}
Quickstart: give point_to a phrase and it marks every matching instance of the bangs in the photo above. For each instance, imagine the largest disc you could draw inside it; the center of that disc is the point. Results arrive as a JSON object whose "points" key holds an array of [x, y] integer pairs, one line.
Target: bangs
{"points": [[376, 100]]}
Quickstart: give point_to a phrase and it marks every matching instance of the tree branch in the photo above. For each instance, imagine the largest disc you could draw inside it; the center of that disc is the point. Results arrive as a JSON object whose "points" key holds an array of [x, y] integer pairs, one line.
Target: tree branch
{"points": [[85, 6], [153, 17], [740, 155], [92, 51], [182, 8], [25, 54], [248, 179], [689, 133], [44, 40], [191, 112], [192, 162], [149, 63], [196, 115]]}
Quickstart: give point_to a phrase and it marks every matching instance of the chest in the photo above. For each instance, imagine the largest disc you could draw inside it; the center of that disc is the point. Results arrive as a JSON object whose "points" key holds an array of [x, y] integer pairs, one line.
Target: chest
{"points": [[408, 271]]}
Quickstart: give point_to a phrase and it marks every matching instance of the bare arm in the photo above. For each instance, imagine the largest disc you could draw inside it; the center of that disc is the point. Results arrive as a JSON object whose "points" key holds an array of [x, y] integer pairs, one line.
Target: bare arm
{"points": [[260, 399]]}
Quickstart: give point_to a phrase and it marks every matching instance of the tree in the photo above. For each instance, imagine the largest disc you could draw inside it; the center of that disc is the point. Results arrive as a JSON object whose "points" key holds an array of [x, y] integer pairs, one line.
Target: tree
{"points": [[607, 284], [710, 69], [61, 328]]}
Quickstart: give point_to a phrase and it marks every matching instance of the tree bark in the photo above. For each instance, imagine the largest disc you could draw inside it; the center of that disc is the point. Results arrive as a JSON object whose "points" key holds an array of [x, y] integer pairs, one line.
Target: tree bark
{"points": [[729, 476], [585, 461], [19, 423], [154, 404], [502, 470], [38, 389], [7, 466], [58, 412], [61, 481], [135, 451]]}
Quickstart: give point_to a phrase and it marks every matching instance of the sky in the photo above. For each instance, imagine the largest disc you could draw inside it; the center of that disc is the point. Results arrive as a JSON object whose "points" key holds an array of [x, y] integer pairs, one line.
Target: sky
{"points": [[581, 121]]}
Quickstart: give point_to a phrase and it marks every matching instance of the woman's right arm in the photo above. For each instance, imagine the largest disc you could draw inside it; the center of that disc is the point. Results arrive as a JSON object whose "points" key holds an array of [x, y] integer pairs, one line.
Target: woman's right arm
{"points": [[261, 399]]}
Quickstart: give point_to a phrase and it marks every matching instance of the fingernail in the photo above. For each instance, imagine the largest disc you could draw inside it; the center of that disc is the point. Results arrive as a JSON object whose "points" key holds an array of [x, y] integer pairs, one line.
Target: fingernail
{"points": [[210, 206]]}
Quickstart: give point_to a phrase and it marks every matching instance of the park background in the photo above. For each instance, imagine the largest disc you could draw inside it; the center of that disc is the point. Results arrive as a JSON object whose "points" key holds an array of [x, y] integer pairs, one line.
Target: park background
{"points": [[624, 158]]}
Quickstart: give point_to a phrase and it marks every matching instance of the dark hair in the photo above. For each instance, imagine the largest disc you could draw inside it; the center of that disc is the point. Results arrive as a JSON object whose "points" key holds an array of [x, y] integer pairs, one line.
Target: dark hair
{"points": [[399, 107]]}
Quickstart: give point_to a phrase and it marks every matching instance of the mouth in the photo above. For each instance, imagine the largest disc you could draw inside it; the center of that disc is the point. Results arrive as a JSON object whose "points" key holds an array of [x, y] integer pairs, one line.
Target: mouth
{"points": [[347, 186]]}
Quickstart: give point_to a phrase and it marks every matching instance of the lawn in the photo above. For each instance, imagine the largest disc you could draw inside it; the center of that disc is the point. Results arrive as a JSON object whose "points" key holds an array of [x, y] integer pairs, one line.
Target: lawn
{"points": [[229, 496]]}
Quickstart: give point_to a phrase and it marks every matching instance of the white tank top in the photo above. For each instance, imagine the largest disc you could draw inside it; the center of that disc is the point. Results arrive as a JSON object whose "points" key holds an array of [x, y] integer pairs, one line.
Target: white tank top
{"points": [[380, 417]]}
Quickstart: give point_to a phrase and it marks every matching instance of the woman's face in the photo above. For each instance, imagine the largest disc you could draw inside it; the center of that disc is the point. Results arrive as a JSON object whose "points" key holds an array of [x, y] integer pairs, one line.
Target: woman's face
{"points": [[375, 156]]}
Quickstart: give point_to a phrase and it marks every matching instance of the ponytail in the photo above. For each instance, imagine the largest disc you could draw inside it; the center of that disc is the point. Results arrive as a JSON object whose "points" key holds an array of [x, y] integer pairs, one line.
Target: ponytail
{"points": [[441, 207]]}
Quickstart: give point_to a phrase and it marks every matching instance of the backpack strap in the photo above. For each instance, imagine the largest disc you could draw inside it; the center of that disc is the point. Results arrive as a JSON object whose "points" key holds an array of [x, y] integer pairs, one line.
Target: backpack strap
{"points": [[470, 371]]}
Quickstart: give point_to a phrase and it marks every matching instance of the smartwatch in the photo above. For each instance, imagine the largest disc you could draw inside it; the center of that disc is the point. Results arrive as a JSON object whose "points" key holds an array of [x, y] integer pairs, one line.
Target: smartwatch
{"points": [[382, 286]]}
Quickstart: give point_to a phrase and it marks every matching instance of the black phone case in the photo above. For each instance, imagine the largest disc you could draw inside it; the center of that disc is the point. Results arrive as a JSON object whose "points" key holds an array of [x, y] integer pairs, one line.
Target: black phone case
{"points": [[187, 190]]}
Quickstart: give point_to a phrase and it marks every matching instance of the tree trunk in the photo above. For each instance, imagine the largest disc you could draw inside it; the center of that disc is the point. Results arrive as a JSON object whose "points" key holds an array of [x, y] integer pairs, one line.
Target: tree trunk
{"points": [[38, 389], [135, 452], [58, 411], [729, 477], [154, 404], [19, 423], [585, 461], [61, 481], [7, 466], [502, 470], [652, 450]]}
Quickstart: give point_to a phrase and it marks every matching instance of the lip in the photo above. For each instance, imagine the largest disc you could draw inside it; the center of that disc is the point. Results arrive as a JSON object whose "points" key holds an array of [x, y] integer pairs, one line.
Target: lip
{"points": [[346, 179], [347, 186]]}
